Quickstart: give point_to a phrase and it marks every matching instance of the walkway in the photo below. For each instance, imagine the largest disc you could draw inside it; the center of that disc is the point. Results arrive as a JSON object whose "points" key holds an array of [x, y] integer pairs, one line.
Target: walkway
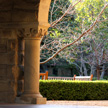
{"points": [[49, 106], [82, 103], [63, 104]]}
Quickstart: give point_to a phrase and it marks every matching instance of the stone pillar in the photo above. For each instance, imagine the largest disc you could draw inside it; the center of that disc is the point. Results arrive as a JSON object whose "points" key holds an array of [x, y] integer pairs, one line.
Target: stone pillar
{"points": [[31, 72]]}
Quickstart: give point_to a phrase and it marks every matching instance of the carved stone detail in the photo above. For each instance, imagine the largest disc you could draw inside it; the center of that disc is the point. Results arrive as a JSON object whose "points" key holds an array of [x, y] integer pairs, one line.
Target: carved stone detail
{"points": [[41, 33], [31, 32], [20, 32]]}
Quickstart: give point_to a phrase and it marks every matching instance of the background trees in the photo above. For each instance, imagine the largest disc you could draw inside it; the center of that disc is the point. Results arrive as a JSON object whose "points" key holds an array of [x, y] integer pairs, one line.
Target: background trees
{"points": [[80, 29]]}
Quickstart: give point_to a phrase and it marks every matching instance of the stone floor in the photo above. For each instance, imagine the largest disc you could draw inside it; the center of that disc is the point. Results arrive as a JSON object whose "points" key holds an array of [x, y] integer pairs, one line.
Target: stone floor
{"points": [[62, 104], [49, 106], [82, 103]]}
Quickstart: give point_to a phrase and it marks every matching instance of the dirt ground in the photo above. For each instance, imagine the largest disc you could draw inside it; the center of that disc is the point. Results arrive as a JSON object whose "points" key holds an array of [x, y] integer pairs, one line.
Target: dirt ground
{"points": [[84, 103]]}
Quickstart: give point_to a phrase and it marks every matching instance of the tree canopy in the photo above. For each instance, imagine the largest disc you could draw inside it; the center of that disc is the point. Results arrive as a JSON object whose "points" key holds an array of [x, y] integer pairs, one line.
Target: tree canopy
{"points": [[78, 29]]}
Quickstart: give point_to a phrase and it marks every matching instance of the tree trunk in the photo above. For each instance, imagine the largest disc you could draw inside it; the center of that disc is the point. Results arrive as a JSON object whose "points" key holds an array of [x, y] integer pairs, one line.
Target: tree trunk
{"points": [[103, 72], [93, 69], [81, 71], [85, 69], [98, 73]]}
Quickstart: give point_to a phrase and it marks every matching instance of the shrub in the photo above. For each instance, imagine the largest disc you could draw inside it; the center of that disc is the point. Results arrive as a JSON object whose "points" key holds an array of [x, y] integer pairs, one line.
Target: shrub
{"points": [[74, 90]]}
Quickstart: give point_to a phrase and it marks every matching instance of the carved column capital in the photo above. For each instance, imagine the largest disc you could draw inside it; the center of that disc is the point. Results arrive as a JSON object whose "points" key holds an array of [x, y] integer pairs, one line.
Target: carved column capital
{"points": [[27, 32], [33, 32], [42, 29]]}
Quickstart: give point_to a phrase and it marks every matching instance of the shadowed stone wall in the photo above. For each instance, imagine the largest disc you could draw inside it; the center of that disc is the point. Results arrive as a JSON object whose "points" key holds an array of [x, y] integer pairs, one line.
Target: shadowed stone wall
{"points": [[15, 17], [8, 66], [18, 10], [28, 20]]}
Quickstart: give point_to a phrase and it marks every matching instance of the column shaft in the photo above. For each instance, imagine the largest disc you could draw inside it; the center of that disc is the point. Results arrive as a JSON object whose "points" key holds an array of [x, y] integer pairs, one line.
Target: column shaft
{"points": [[31, 72], [31, 68]]}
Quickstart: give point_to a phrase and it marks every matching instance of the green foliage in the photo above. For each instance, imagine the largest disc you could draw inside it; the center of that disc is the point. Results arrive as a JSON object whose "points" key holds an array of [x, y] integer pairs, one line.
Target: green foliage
{"points": [[55, 33], [74, 90], [88, 10], [105, 77]]}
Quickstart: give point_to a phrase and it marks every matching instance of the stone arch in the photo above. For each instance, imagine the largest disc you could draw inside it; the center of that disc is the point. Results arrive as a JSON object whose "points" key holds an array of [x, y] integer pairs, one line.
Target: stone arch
{"points": [[43, 11]]}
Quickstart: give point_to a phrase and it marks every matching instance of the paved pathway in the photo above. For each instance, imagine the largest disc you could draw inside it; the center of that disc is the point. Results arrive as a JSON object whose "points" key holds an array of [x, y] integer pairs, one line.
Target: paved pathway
{"points": [[80, 103], [49, 106]]}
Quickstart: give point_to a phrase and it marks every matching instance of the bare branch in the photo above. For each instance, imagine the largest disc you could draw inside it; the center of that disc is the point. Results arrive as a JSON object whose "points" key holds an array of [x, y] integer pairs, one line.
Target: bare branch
{"points": [[52, 10], [69, 8]]}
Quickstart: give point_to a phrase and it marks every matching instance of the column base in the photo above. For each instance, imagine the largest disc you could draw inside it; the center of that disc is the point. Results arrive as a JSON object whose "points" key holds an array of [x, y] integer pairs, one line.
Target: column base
{"points": [[33, 99]]}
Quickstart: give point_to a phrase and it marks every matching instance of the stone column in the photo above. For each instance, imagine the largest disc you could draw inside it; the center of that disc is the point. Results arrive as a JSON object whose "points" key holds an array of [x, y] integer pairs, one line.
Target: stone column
{"points": [[31, 72]]}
